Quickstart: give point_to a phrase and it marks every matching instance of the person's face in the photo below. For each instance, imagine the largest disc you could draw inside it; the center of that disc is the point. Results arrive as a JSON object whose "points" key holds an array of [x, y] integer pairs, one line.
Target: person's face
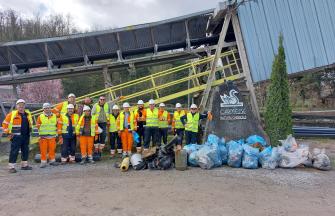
{"points": [[161, 108], [20, 107], [72, 100], [102, 100], [152, 106], [178, 109], [47, 110], [193, 110], [126, 109], [87, 101], [115, 111], [140, 106], [70, 111], [87, 112]]}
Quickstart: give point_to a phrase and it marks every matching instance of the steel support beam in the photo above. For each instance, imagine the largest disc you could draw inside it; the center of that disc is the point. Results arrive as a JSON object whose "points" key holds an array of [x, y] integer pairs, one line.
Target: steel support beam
{"points": [[211, 75], [245, 65]]}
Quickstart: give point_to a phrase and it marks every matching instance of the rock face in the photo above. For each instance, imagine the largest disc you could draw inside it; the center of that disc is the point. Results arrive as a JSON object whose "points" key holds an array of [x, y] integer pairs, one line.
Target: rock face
{"points": [[232, 115]]}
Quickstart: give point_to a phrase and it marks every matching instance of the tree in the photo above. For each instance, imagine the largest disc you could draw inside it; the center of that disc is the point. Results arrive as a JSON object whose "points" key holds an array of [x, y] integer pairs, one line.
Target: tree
{"points": [[278, 115], [50, 91], [83, 85]]}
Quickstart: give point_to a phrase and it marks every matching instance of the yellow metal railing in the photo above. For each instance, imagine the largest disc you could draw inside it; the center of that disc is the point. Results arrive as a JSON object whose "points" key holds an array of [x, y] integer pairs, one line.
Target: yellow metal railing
{"points": [[151, 86]]}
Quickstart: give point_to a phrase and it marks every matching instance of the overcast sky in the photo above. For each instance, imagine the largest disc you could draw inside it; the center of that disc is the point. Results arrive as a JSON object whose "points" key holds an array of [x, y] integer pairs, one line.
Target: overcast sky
{"points": [[104, 14]]}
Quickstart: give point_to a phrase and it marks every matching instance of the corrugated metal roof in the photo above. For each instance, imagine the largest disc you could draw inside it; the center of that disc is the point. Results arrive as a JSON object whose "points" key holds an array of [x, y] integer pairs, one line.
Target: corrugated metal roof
{"points": [[307, 26]]}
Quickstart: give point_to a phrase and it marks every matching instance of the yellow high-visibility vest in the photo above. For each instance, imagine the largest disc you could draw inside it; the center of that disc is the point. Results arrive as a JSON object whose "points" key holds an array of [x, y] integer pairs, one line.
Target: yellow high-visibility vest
{"points": [[176, 119], [112, 123], [121, 121], [66, 123], [80, 127], [164, 123], [98, 109], [16, 129], [192, 123], [48, 125], [152, 118]]}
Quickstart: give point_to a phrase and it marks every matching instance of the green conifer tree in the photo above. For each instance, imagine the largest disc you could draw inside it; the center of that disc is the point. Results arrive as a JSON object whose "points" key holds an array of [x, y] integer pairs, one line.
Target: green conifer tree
{"points": [[278, 115]]}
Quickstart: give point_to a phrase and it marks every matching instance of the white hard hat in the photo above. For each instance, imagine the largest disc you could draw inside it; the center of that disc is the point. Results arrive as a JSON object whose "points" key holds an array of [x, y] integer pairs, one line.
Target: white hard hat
{"points": [[70, 106], [20, 101], [178, 105], [162, 104], [71, 95], [86, 108], [46, 105], [193, 106], [115, 107], [140, 102], [126, 105], [151, 102]]}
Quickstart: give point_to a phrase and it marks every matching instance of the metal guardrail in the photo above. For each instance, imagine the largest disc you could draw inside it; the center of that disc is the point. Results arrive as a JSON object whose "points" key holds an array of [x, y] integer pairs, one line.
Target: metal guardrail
{"points": [[303, 131]]}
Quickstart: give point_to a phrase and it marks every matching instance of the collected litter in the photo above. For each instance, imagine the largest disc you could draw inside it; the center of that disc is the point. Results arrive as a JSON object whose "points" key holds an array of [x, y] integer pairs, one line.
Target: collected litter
{"points": [[320, 160], [253, 153]]}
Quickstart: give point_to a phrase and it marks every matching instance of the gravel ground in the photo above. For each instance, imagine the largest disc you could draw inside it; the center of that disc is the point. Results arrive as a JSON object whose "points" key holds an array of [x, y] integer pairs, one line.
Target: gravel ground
{"points": [[101, 189]]}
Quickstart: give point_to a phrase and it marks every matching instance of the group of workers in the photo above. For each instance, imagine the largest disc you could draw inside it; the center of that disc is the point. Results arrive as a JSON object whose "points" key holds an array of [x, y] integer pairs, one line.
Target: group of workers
{"points": [[62, 124]]}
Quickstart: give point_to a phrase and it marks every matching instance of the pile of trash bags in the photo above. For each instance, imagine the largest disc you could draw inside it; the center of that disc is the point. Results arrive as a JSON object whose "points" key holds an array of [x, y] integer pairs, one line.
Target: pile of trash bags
{"points": [[253, 153]]}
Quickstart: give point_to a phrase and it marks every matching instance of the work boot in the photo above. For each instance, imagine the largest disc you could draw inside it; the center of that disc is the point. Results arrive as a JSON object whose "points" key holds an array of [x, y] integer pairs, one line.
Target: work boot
{"points": [[54, 163], [43, 165], [12, 170], [26, 168], [90, 160], [83, 161], [62, 162]]}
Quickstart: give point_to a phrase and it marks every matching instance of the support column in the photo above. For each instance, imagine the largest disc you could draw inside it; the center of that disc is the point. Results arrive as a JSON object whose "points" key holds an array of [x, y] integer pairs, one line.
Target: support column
{"points": [[245, 65], [15, 93], [218, 50], [107, 81]]}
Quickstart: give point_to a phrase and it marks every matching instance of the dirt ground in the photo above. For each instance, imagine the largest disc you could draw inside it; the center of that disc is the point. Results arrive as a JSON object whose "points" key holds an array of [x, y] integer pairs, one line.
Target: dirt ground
{"points": [[101, 189]]}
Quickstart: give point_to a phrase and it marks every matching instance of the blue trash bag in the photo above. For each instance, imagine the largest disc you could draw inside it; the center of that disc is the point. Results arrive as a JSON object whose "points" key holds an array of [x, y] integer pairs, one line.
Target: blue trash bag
{"points": [[235, 152], [240, 141], [136, 137], [269, 158], [209, 156], [213, 139], [216, 155], [223, 153], [250, 157], [222, 141], [255, 139], [192, 159], [191, 148]]}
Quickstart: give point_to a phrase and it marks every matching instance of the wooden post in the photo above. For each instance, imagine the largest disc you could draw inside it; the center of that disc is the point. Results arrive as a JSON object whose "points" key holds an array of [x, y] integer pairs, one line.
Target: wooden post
{"points": [[245, 64]]}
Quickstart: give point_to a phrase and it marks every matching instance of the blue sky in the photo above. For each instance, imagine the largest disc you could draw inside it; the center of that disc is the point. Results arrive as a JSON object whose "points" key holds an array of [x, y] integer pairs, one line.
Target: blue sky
{"points": [[103, 14]]}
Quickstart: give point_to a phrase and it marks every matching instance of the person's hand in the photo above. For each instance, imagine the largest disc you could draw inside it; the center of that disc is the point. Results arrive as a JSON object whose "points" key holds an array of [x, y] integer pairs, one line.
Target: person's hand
{"points": [[60, 140], [209, 116], [96, 137], [10, 136], [119, 132], [174, 131]]}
